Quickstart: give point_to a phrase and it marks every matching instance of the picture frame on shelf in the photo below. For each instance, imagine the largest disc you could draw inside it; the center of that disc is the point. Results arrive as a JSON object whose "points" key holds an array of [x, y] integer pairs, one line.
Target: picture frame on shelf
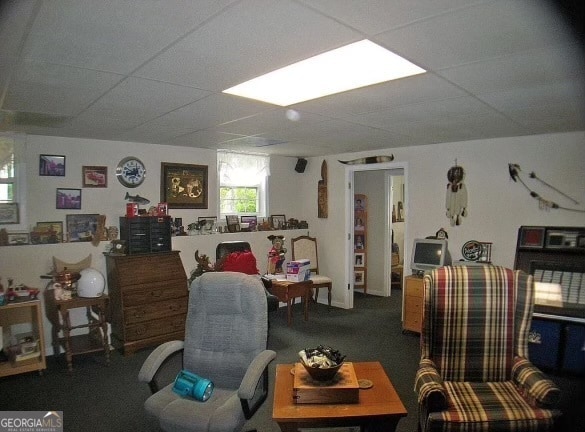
{"points": [[47, 233], [18, 238], [278, 221], [68, 199], [359, 259], [210, 223], [252, 222], [94, 176], [9, 213], [184, 186], [52, 165], [81, 227], [233, 223]]}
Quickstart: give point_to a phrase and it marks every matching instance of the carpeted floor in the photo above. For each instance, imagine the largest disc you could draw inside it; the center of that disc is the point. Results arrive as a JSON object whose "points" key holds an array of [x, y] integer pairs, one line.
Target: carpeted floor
{"points": [[95, 397]]}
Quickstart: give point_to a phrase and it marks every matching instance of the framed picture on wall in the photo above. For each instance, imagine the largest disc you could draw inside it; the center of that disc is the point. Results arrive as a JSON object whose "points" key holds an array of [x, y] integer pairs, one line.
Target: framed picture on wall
{"points": [[94, 176], [9, 213], [52, 165], [184, 186], [68, 199]]}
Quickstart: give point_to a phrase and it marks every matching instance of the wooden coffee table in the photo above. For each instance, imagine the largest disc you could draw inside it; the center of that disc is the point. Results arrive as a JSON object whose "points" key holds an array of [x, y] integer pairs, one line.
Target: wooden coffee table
{"points": [[287, 291], [379, 408]]}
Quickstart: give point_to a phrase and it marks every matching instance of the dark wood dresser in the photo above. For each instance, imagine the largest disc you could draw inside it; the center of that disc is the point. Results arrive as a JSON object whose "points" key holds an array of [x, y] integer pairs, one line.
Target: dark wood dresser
{"points": [[148, 299]]}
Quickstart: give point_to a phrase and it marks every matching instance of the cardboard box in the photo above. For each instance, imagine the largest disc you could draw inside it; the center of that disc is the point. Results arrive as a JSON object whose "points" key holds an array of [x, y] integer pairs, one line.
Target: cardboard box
{"points": [[343, 389], [298, 271]]}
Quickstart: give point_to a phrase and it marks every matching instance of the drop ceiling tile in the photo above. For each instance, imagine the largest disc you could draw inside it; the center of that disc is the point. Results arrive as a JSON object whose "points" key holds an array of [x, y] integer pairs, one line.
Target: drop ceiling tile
{"points": [[50, 88], [431, 110], [533, 68], [485, 31], [406, 91], [111, 35], [376, 16], [138, 100], [208, 138], [251, 38], [272, 120]]}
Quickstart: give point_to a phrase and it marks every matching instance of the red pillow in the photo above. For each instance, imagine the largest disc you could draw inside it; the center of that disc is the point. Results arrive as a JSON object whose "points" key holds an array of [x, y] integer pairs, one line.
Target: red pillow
{"points": [[243, 262]]}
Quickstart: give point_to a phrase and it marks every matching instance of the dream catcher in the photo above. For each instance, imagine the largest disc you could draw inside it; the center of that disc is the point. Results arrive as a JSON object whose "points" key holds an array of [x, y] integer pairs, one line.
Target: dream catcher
{"points": [[543, 204], [456, 200]]}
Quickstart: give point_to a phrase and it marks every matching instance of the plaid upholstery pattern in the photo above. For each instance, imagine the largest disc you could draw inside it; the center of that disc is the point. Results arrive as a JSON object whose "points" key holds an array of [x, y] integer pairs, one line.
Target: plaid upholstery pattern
{"points": [[474, 374]]}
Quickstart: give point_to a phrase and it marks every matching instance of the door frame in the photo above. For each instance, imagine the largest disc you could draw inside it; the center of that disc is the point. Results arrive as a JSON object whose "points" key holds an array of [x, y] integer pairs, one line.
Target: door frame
{"points": [[350, 170]]}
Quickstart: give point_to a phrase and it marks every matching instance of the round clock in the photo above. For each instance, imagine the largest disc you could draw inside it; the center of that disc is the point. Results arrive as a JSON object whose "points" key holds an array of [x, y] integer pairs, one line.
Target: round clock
{"points": [[131, 172]]}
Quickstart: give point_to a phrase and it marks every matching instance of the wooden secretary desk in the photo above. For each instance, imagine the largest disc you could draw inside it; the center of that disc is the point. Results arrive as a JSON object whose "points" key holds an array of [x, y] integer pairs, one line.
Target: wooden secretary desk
{"points": [[148, 299]]}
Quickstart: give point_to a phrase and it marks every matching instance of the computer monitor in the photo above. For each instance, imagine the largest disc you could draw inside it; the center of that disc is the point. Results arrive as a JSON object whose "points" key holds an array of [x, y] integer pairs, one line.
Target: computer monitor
{"points": [[429, 254]]}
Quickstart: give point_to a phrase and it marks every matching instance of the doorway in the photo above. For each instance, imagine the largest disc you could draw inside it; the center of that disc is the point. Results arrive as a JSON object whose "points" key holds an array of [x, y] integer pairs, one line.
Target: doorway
{"points": [[375, 275]]}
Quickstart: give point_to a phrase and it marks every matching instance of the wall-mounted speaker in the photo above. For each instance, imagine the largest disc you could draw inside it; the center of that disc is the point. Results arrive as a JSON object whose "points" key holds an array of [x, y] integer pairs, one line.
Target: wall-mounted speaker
{"points": [[301, 165]]}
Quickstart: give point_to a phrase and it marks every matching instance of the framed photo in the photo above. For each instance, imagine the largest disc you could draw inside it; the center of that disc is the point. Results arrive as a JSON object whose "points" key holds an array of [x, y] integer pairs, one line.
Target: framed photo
{"points": [[233, 223], [95, 176], [252, 221], [47, 233], [69, 199], [359, 242], [18, 238], [52, 165], [184, 186], [210, 222], [359, 259], [359, 277], [278, 221], [9, 213], [81, 227]]}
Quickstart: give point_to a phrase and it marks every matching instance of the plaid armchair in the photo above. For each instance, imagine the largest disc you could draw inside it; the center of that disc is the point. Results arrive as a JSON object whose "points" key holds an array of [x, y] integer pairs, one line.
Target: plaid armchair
{"points": [[474, 373]]}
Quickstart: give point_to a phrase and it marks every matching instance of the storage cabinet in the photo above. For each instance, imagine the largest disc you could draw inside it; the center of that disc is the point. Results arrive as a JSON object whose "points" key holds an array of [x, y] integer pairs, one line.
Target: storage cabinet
{"points": [[413, 304], [25, 315], [148, 299], [145, 234]]}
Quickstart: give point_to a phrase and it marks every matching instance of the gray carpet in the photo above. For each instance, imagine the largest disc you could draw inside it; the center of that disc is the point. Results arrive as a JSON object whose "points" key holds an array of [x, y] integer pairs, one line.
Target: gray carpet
{"points": [[95, 397]]}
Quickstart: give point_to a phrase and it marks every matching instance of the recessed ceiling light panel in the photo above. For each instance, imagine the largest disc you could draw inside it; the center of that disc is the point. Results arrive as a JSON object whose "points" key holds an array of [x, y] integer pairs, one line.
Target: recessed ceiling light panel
{"points": [[353, 66]]}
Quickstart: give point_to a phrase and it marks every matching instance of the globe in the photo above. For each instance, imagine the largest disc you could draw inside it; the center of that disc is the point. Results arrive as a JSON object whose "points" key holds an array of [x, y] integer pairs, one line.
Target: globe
{"points": [[91, 283]]}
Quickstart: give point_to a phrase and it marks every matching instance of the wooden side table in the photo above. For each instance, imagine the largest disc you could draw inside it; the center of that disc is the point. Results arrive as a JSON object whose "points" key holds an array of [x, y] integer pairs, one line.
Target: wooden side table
{"points": [[287, 291], [379, 407], [97, 338]]}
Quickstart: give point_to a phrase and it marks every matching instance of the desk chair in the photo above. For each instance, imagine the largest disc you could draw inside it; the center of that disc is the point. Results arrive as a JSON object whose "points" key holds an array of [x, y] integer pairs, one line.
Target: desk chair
{"points": [[474, 373], [225, 341], [305, 247]]}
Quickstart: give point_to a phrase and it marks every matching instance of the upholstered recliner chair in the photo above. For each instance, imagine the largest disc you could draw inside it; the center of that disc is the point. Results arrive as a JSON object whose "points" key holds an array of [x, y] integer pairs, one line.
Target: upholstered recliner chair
{"points": [[474, 373], [225, 341]]}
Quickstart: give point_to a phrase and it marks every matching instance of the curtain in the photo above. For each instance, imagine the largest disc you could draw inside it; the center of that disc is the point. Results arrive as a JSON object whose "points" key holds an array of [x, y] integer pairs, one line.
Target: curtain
{"points": [[239, 169]]}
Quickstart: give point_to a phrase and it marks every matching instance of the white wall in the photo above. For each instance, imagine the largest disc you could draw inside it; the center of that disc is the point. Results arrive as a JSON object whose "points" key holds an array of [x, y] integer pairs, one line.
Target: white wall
{"points": [[497, 205]]}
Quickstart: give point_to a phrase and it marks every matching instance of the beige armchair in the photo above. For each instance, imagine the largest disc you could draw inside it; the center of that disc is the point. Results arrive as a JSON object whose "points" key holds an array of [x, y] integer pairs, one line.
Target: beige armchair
{"points": [[305, 247]]}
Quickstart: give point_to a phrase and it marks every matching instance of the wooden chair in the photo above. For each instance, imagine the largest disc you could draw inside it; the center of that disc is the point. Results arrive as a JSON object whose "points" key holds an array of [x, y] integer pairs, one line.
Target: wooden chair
{"points": [[305, 247]]}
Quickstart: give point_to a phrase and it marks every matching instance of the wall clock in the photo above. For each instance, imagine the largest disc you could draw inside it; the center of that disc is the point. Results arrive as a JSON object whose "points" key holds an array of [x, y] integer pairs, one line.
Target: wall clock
{"points": [[131, 172]]}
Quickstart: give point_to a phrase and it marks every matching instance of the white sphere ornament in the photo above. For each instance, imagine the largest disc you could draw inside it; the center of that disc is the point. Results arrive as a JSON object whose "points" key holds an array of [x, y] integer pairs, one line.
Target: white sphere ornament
{"points": [[91, 283]]}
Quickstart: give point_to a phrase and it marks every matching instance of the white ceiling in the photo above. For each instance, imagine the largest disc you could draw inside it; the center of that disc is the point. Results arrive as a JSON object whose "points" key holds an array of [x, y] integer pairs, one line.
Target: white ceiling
{"points": [[152, 71]]}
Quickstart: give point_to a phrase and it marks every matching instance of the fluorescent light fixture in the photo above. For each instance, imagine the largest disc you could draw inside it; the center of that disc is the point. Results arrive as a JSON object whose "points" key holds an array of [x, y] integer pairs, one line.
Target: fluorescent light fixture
{"points": [[353, 66]]}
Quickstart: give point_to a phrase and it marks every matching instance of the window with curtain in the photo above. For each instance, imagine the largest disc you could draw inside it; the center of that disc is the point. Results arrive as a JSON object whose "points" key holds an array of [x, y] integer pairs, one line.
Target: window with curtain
{"points": [[13, 175], [7, 170], [243, 183]]}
